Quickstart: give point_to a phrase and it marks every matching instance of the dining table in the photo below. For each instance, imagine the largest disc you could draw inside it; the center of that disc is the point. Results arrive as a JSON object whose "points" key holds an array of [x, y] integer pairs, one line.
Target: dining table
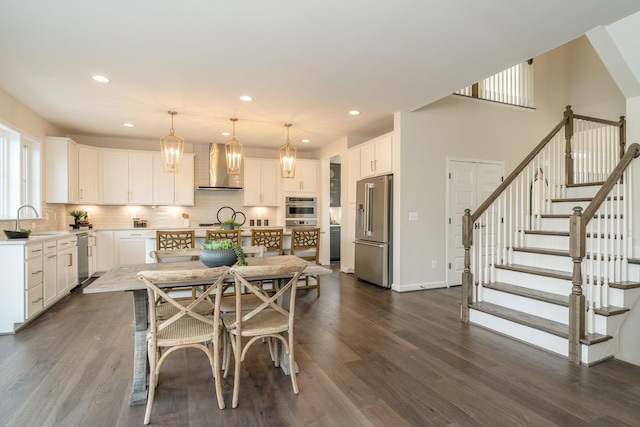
{"points": [[124, 278]]}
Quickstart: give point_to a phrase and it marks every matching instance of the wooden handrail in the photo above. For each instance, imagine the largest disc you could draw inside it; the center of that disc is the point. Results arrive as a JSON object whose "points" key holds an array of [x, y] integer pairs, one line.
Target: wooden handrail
{"points": [[616, 174], [512, 176], [603, 121]]}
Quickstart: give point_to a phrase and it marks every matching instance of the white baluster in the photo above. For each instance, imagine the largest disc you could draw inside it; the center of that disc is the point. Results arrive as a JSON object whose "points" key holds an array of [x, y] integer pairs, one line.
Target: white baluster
{"points": [[590, 282], [498, 248], [625, 227], [511, 226], [598, 259], [605, 254], [487, 251], [516, 235], [618, 241]]}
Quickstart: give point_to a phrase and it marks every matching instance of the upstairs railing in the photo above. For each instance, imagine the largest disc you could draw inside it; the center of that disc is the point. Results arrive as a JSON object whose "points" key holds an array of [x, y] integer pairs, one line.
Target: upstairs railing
{"points": [[579, 150]]}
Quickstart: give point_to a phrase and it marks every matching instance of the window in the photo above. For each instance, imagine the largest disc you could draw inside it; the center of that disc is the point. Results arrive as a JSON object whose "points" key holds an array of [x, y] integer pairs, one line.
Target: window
{"points": [[511, 86], [20, 167]]}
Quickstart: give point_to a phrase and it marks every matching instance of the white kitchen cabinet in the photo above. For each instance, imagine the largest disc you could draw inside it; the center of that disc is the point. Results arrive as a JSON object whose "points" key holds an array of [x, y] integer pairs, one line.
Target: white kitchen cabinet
{"points": [[305, 179], [261, 182], [127, 177], [173, 188], [34, 300], [347, 258], [61, 164], [376, 156], [67, 267], [50, 276], [131, 247], [105, 250], [91, 254], [353, 173], [88, 175]]}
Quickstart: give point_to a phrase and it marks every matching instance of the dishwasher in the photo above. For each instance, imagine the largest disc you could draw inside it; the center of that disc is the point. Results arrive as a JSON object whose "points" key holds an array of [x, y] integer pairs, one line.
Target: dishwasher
{"points": [[83, 257]]}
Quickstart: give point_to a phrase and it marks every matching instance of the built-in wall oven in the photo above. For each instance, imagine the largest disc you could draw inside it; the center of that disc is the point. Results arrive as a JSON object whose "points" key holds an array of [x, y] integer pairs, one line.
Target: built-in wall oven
{"points": [[301, 207]]}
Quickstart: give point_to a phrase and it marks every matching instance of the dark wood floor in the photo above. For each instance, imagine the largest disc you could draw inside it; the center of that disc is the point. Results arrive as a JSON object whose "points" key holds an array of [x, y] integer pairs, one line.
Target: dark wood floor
{"points": [[368, 356]]}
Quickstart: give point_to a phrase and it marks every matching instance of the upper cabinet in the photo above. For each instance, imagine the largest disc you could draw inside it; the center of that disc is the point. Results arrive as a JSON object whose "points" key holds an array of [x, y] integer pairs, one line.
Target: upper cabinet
{"points": [[261, 177], [61, 170], [88, 175], [127, 177], [173, 188], [376, 156], [334, 184], [306, 178]]}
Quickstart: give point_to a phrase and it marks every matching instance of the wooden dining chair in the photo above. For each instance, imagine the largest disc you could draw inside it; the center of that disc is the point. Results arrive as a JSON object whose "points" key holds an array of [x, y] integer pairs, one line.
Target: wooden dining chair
{"points": [[270, 238], [269, 320], [187, 328], [233, 235], [305, 244], [175, 239]]}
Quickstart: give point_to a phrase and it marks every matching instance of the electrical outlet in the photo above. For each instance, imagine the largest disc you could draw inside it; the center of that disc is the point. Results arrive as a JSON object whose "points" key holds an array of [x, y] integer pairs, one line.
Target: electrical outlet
{"points": [[413, 216], [46, 216], [434, 264]]}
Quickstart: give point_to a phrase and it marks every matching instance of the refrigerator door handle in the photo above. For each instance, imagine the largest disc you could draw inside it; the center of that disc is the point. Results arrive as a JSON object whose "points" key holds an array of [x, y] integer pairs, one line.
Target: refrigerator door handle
{"points": [[368, 207], [366, 243]]}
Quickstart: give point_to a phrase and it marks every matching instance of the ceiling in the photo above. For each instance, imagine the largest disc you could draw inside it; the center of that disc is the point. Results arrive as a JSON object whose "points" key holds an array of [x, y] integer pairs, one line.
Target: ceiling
{"points": [[305, 63]]}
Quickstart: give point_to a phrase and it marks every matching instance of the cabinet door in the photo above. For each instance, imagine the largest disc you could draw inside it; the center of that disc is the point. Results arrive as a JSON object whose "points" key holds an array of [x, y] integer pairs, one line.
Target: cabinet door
{"points": [[384, 155], [87, 174], [72, 267], [270, 178], [105, 259], [91, 253], [184, 182], [73, 172], [140, 178], [115, 177], [50, 279], [252, 188], [33, 302], [367, 160], [163, 183], [62, 261], [306, 178], [131, 251], [61, 160]]}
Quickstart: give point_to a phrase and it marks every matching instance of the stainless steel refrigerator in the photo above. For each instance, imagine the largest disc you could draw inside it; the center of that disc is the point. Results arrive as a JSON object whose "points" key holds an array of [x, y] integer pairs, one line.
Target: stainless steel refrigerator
{"points": [[373, 230]]}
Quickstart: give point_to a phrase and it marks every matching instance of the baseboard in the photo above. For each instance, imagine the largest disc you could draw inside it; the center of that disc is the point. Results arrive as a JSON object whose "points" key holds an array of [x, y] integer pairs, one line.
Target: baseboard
{"points": [[419, 286]]}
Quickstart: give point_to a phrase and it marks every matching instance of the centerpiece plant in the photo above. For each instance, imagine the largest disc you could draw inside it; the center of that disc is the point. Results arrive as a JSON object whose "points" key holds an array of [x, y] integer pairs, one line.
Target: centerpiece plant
{"points": [[79, 215], [216, 253], [229, 224]]}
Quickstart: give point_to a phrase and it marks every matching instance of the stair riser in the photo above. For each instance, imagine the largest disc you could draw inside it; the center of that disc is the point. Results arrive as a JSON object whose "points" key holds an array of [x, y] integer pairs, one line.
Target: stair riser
{"points": [[588, 191], [523, 333], [598, 352], [534, 307], [566, 207], [623, 298], [533, 281], [609, 325], [554, 262], [546, 242], [562, 224]]}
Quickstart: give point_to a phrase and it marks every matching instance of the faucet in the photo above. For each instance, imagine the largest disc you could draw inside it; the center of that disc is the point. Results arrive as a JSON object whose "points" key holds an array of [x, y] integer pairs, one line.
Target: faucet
{"points": [[18, 215]]}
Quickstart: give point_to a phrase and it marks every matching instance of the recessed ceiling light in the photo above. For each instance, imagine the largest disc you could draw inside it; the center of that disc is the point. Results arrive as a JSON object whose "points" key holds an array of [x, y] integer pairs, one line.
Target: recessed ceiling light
{"points": [[101, 79], [246, 98], [305, 140], [226, 133], [354, 112], [127, 125]]}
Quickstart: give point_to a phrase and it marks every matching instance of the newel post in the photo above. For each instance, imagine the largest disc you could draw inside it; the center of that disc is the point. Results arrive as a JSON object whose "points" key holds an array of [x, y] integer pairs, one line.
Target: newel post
{"points": [[467, 276], [577, 238], [623, 135], [568, 134]]}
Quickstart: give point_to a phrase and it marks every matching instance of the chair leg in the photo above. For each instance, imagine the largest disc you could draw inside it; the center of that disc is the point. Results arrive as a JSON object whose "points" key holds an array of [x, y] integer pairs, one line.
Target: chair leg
{"points": [[292, 364], [236, 374], [318, 285], [217, 371], [151, 351]]}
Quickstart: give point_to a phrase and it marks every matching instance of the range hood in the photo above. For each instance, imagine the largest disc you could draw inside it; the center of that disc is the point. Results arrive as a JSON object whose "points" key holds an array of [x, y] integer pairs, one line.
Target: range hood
{"points": [[219, 179]]}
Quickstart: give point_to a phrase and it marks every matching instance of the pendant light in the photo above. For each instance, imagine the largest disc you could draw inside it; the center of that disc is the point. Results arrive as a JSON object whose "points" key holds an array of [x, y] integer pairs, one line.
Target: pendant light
{"points": [[171, 147], [233, 151], [288, 157]]}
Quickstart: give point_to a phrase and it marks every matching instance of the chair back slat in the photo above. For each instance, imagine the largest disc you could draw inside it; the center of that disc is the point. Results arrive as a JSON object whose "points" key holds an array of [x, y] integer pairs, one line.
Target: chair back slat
{"points": [[233, 235], [270, 238], [175, 239]]}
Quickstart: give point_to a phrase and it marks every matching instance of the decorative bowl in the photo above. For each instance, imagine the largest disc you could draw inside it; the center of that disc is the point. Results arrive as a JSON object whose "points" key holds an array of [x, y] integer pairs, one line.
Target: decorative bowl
{"points": [[12, 234], [218, 257]]}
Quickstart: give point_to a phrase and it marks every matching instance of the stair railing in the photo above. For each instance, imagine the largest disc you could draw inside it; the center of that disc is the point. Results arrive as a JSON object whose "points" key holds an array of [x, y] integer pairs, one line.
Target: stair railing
{"points": [[499, 224], [603, 233]]}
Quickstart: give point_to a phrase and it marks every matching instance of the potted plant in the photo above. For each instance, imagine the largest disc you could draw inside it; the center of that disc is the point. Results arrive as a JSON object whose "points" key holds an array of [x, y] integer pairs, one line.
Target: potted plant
{"points": [[79, 215], [229, 224], [216, 253]]}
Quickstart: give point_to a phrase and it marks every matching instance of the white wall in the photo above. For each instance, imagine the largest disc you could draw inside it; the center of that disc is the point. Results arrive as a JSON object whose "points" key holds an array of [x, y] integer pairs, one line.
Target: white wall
{"points": [[461, 127]]}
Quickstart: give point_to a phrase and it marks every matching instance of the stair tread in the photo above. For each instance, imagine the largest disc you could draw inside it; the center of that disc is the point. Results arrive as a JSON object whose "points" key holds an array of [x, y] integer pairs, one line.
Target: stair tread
{"points": [[586, 184], [536, 322], [549, 297], [547, 233], [626, 284], [558, 274], [581, 199], [568, 215], [557, 252], [610, 310]]}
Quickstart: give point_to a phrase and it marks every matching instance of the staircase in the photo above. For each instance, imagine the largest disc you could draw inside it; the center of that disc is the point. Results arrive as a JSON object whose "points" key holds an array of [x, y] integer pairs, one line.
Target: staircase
{"points": [[548, 256], [528, 300]]}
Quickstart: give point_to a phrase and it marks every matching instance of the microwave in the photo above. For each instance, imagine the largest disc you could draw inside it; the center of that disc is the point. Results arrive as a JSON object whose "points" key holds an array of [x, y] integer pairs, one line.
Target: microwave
{"points": [[301, 207]]}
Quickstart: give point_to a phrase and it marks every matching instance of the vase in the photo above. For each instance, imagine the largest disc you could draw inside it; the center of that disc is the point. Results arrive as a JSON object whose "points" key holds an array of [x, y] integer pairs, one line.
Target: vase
{"points": [[227, 227], [218, 257]]}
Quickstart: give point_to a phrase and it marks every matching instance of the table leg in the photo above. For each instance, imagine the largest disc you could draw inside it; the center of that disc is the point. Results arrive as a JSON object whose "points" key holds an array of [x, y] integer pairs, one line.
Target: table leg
{"points": [[284, 358], [138, 394]]}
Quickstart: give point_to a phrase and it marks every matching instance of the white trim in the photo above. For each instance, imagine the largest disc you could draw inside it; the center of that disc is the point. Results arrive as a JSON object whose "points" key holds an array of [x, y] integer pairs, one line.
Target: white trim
{"points": [[419, 286]]}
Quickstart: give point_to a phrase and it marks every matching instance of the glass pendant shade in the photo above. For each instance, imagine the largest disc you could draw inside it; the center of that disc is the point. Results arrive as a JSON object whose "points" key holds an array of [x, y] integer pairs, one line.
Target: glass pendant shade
{"points": [[288, 158], [233, 151], [171, 147]]}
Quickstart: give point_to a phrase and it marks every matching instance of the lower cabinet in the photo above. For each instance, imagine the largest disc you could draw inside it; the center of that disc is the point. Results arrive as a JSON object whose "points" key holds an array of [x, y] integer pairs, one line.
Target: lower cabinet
{"points": [[50, 276], [105, 251], [91, 255], [34, 301], [131, 247], [67, 257]]}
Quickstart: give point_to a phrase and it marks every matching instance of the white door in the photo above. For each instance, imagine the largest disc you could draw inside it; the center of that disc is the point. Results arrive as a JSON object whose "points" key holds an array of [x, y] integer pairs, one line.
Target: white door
{"points": [[470, 183]]}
